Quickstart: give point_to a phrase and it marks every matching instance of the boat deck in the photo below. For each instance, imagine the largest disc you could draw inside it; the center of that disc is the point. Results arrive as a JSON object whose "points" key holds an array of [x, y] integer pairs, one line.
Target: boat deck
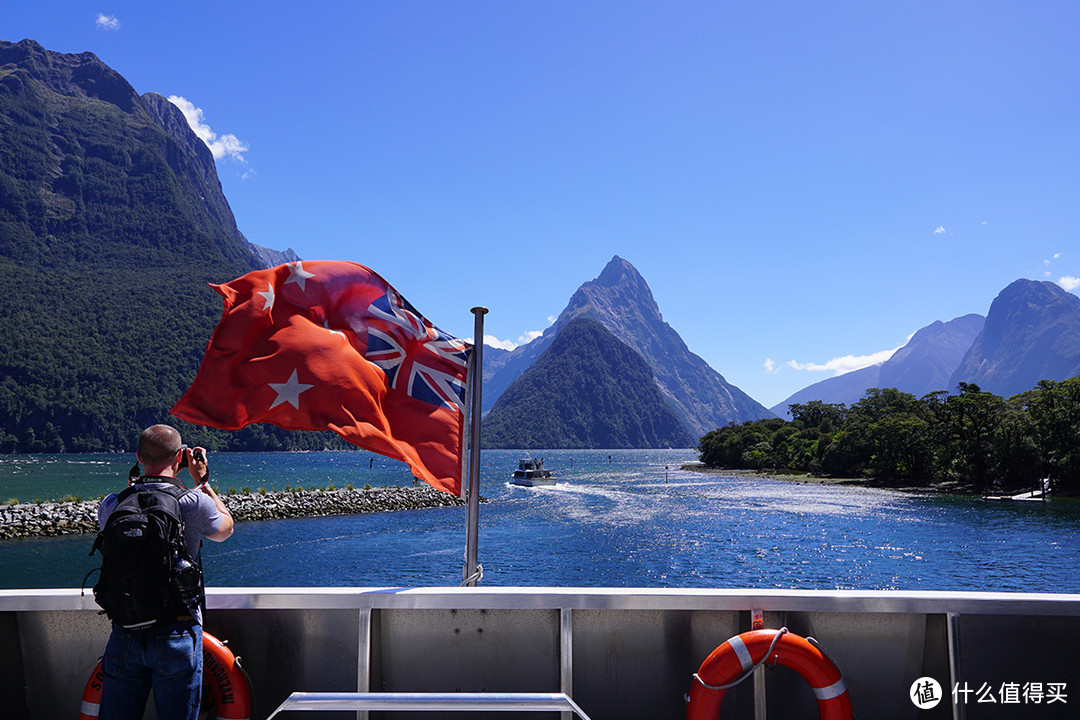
{"points": [[618, 653]]}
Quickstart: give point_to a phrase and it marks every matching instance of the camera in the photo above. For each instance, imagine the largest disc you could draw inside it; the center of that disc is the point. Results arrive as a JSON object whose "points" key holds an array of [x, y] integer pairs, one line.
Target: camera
{"points": [[197, 453]]}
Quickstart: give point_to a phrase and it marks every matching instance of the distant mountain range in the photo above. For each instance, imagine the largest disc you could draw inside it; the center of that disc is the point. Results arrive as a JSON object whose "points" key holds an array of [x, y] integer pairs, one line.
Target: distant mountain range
{"points": [[621, 301], [1031, 333], [923, 365], [113, 222]]}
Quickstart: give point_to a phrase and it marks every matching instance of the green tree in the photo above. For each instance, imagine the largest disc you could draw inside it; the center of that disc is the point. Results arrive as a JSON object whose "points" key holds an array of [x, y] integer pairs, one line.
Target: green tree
{"points": [[818, 414], [969, 424], [886, 434], [726, 446], [1054, 412]]}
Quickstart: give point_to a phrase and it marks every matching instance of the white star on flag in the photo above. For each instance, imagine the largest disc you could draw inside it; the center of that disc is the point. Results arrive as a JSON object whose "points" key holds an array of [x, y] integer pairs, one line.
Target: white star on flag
{"points": [[269, 297], [298, 275], [289, 391]]}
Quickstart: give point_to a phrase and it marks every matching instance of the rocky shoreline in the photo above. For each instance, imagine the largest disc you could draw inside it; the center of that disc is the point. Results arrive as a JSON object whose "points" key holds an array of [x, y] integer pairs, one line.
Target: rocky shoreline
{"points": [[26, 520]]}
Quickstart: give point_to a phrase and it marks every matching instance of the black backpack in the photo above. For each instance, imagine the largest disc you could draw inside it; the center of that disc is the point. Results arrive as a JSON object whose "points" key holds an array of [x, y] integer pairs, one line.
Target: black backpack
{"points": [[147, 575]]}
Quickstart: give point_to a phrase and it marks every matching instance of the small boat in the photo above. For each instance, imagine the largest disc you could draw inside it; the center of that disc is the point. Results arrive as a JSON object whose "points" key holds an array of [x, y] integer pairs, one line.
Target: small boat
{"points": [[531, 472], [1041, 494]]}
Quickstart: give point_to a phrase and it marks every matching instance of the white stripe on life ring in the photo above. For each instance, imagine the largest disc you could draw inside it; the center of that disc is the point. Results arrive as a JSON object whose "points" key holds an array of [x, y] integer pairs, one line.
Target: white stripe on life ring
{"points": [[742, 653], [828, 693], [90, 709]]}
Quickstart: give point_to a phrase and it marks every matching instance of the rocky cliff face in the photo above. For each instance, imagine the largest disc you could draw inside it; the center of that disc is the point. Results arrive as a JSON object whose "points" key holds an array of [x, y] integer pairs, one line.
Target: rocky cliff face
{"points": [[620, 300], [272, 258], [1032, 333]]}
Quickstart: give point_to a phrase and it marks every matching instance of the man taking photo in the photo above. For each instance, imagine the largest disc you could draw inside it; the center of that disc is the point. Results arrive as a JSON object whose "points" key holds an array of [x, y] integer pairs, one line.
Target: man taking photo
{"points": [[151, 580]]}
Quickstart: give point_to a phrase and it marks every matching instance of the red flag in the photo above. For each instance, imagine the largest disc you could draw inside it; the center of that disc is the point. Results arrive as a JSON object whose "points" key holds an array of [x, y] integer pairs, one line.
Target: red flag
{"points": [[332, 346]]}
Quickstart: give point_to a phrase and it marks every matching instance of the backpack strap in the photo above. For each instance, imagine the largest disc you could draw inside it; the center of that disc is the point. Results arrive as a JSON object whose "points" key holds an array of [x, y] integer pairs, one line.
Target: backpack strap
{"points": [[172, 487]]}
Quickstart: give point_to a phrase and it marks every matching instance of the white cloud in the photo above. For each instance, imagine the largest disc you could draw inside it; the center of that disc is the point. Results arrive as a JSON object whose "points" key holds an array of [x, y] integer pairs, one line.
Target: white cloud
{"points": [[220, 145], [940, 230], [845, 364], [492, 341], [1069, 283], [107, 22], [771, 367], [525, 338]]}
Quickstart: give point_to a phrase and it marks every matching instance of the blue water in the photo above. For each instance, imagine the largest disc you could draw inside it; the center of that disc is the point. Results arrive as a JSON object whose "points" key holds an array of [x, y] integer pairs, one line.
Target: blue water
{"points": [[624, 518]]}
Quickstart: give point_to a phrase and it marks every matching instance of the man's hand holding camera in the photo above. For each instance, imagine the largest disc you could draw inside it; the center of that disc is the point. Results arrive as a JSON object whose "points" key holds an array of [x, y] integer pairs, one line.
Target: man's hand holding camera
{"points": [[195, 461]]}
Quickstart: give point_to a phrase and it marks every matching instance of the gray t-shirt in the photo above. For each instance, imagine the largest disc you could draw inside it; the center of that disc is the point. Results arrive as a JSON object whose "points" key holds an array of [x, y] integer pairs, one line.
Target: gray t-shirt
{"points": [[201, 519]]}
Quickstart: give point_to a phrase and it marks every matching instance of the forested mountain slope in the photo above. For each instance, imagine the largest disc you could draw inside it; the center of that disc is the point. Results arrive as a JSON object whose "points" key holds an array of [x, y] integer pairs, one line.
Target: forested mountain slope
{"points": [[112, 222], [587, 390]]}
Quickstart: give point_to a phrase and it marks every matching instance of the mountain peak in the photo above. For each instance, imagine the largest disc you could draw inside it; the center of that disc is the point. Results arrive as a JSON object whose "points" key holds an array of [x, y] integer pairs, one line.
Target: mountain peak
{"points": [[1032, 333], [618, 287], [1037, 290], [588, 389], [82, 76], [616, 272], [621, 301]]}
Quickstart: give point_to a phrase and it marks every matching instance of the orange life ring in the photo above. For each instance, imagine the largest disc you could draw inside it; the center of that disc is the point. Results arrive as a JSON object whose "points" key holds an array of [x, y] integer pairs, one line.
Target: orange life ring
{"points": [[734, 660], [226, 680], [91, 696], [228, 683]]}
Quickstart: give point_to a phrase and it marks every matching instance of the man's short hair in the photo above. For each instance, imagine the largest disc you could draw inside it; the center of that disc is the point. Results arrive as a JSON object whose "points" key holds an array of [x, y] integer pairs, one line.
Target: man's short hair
{"points": [[158, 444]]}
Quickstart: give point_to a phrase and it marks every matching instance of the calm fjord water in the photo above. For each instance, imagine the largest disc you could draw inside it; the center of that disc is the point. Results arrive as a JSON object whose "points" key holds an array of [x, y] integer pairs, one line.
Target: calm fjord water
{"points": [[620, 518]]}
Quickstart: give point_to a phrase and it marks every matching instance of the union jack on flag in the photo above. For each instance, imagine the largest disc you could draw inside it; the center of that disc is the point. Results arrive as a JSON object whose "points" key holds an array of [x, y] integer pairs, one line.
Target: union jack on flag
{"points": [[418, 358]]}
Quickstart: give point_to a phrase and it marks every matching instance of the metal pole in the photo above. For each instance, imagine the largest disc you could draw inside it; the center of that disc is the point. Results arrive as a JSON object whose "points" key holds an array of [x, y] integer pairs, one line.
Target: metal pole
{"points": [[473, 571], [757, 622]]}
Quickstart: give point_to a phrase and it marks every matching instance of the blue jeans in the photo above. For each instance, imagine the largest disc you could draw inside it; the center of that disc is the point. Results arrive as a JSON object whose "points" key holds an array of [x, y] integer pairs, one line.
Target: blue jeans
{"points": [[166, 658]]}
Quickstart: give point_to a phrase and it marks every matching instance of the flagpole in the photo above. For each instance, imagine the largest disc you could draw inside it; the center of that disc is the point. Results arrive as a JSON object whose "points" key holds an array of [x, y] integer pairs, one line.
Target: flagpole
{"points": [[473, 570]]}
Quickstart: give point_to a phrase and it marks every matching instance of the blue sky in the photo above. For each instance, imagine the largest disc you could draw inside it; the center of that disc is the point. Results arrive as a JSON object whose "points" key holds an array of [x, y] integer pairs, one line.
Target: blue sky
{"points": [[803, 185]]}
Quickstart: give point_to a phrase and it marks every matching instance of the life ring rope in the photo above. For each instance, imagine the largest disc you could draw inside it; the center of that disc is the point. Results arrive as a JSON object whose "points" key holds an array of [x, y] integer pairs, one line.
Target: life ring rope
{"points": [[748, 663]]}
